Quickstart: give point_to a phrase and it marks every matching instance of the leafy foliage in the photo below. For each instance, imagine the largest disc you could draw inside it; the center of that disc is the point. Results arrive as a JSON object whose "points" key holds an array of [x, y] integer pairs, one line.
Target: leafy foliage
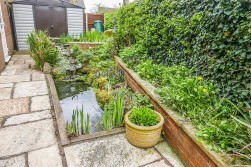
{"points": [[42, 49], [214, 36], [144, 117]]}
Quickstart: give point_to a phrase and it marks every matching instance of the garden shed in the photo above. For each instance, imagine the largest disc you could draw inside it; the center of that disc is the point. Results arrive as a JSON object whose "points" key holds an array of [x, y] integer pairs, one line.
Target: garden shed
{"points": [[56, 16]]}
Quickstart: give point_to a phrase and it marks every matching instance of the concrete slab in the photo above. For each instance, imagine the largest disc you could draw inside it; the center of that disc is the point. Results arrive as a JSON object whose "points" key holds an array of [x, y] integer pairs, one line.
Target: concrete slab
{"points": [[40, 103], [5, 93], [10, 62], [24, 118], [109, 152], [13, 162], [34, 88], [18, 62], [14, 78], [158, 164], [167, 152], [47, 157], [26, 137], [7, 85], [23, 71], [38, 76], [20, 57], [22, 66], [14, 106], [9, 72]]}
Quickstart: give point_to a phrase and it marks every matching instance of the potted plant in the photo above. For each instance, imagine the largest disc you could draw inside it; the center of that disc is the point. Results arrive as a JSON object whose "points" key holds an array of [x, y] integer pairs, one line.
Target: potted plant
{"points": [[143, 127]]}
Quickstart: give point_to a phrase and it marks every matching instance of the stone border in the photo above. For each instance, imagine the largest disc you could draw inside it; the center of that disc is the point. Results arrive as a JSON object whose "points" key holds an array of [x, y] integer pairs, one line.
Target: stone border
{"points": [[61, 123], [179, 131]]}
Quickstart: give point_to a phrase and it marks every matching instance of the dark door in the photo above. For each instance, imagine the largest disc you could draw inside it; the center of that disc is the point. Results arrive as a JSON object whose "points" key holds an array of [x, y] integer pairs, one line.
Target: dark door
{"points": [[59, 23], [52, 19], [42, 17]]}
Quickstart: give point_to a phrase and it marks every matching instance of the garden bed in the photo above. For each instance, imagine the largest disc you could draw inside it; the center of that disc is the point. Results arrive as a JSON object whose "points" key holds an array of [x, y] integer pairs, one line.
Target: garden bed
{"points": [[179, 131]]}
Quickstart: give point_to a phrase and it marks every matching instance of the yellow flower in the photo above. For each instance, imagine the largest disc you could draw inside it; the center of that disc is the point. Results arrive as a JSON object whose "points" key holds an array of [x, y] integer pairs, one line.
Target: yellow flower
{"points": [[205, 91], [227, 34], [200, 78], [249, 30]]}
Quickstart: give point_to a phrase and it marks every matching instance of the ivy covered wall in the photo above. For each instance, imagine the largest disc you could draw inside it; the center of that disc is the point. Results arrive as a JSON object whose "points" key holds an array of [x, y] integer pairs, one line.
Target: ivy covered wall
{"points": [[212, 35]]}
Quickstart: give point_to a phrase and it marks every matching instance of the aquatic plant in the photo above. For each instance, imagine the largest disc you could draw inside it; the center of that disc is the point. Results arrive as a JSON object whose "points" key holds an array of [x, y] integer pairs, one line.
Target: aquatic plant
{"points": [[73, 127]]}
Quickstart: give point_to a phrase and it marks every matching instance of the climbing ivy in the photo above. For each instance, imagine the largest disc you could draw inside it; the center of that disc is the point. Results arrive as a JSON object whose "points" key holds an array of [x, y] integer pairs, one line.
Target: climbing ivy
{"points": [[212, 35]]}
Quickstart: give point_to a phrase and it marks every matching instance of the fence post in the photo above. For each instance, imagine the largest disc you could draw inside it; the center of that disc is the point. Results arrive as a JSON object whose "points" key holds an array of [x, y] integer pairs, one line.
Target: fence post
{"points": [[86, 22]]}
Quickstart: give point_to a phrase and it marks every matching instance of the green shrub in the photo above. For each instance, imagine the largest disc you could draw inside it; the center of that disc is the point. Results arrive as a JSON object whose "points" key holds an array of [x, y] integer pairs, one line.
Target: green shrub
{"points": [[65, 38], [143, 117], [42, 49], [109, 20], [213, 36]]}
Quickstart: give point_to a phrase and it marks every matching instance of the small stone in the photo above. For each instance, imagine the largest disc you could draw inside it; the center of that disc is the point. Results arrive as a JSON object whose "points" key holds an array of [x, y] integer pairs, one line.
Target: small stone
{"points": [[34, 88], [5, 93], [26, 137], [40, 103], [9, 72], [24, 118], [47, 68], [14, 78], [38, 76], [14, 106], [7, 85], [158, 164], [46, 157], [167, 152], [13, 162]]}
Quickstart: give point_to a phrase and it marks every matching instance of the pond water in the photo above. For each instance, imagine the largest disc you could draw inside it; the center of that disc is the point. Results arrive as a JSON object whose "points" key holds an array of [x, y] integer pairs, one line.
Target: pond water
{"points": [[74, 95]]}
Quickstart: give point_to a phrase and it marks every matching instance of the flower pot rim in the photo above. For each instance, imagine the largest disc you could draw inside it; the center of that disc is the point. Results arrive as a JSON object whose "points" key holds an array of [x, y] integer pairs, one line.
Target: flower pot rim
{"points": [[160, 124]]}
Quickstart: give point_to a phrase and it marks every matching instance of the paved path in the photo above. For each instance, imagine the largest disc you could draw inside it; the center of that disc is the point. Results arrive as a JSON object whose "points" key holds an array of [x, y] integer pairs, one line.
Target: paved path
{"points": [[27, 129]]}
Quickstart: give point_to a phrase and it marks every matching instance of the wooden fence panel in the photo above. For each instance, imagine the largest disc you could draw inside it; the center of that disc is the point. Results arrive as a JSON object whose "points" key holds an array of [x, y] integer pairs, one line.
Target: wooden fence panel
{"points": [[91, 17]]}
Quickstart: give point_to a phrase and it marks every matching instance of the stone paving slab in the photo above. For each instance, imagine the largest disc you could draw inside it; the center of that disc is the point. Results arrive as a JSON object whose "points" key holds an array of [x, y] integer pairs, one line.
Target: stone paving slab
{"points": [[40, 103], [47, 157], [7, 85], [9, 72], [14, 106], [5, 93], [167, 152], [20, 57], [18, 62], [27, 137], [22, 66], [109, 152], [13, 162], [14, 78], [24, 118], [34, 88], [158, 164], [38, 76], [22, 71]]}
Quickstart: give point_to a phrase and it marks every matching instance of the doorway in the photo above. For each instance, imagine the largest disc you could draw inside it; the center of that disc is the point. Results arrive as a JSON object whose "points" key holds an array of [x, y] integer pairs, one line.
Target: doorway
{"points": [[51, 19]]}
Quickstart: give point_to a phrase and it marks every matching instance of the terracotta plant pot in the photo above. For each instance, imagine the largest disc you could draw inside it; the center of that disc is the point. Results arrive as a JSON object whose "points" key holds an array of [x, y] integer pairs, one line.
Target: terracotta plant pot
{"points": [[143, 136]]}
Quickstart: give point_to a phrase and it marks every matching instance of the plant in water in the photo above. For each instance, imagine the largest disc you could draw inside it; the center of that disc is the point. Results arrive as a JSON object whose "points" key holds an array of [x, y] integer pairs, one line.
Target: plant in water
{"points": [[143, 117], [114, 112], [78, 125]]}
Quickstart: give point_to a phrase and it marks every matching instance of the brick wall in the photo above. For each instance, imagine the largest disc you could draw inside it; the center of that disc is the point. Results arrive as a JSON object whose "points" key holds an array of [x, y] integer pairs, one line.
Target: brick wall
{"points": [[189, 150], [8, 34]]}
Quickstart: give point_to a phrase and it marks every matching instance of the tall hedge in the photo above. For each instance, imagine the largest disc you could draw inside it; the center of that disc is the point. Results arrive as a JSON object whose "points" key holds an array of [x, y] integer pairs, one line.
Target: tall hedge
{"points": [[212, 35]]}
